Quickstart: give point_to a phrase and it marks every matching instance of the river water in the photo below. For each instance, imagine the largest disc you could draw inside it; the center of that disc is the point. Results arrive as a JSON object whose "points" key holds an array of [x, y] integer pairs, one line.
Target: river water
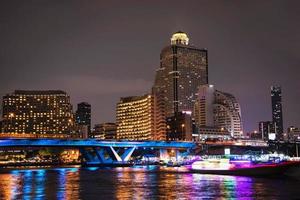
{"points": [[139, 183]]}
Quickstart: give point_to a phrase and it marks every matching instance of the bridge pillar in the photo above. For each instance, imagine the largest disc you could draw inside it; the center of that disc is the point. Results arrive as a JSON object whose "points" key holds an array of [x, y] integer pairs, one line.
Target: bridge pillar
{"points": [[127, 154], [106, 155], [101, 156], [89, 155]]}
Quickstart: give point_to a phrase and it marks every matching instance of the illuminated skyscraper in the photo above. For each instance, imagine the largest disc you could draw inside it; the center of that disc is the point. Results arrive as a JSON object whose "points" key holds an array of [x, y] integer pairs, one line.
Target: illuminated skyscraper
{"points": [[183, 68], [277, 110], [138, 118], [37, 112]]}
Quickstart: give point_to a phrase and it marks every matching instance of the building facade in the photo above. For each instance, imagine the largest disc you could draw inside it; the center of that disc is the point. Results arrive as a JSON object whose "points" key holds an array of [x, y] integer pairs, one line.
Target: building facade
{"points": [[217, 109], [227, 113], [277, 110], [179, 127], [293, 134], [265, 128], [137, 119], [38, 113], [183, 68], [105, 131], [83, 117], [206, 133]]}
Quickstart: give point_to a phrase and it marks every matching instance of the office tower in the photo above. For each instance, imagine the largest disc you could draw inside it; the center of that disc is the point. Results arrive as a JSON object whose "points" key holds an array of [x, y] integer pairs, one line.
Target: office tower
{"points": [[277, 110], [105, 131], [265, 128], [179, 127], [137, 119], [183, 68], [217, 110], [39, 113], [83, 117]]}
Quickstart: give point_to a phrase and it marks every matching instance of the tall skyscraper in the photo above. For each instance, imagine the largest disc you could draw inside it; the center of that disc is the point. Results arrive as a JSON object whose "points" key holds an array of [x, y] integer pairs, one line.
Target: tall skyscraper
{"points": [[277, 110], [38, 113], [183, 68], [83, 116], [218, 109], [137, 119]]}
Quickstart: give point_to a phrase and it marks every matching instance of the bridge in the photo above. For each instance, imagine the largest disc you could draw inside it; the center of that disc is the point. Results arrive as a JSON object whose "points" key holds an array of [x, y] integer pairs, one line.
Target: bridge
{"points": [[103, 152]]}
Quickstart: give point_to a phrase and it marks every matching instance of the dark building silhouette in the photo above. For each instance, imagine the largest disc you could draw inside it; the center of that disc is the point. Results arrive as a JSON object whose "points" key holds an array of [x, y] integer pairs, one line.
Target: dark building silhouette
{"points": [[183, 68], [277, 110], [83, 116], [265, 128], [293, 133], [179, 127], [38, 113]]}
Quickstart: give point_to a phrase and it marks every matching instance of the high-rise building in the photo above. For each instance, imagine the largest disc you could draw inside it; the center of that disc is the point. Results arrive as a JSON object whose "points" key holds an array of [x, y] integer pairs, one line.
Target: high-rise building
{"points": [[277, 110], [265, 128], [183, 68], [218, 110], [38, 113], [137, 119], [204, 106], [105, 131], [83, 116]]}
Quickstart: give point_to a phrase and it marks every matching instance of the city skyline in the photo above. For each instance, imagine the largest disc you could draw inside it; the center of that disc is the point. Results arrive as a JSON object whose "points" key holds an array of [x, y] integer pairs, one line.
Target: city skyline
{"points": [[41, 51]]}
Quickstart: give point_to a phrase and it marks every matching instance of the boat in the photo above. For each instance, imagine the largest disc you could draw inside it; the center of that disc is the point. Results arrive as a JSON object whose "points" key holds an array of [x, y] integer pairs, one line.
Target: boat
{"points": [[249, 166]]}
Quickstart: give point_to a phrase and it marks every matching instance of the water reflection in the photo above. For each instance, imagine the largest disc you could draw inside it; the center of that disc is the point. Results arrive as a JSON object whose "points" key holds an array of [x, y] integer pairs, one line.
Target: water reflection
{"points": [[37, 184], [140, 185], [68, 184], [137, 183]]}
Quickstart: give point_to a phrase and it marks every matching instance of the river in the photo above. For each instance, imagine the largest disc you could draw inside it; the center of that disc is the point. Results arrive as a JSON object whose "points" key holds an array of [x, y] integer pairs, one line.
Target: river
{"points": [[139, 183]]}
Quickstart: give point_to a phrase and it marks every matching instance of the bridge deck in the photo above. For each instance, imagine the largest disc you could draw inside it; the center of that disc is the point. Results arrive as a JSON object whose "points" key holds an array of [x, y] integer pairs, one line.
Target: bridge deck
{"points": [[92, 143]]}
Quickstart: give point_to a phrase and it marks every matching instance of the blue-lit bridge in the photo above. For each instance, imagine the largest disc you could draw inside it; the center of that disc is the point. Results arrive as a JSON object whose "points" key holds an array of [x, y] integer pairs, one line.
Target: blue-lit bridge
{"points": [[102, 152]]}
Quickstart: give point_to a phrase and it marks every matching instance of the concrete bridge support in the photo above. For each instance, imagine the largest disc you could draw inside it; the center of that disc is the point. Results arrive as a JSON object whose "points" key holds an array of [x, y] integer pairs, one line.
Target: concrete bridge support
{"points": [[106, 155]]}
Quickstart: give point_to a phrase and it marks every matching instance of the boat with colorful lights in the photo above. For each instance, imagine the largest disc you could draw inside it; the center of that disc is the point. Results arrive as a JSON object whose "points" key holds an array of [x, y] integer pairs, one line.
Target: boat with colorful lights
{"points": [[245, 165]]}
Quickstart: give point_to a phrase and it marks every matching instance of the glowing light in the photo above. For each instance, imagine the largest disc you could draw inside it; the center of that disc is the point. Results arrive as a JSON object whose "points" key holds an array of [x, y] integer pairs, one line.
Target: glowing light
{"points": [[179, 38]]}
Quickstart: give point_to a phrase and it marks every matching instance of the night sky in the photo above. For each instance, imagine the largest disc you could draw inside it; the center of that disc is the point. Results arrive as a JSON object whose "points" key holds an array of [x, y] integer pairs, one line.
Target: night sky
{"points": [[99, 51]]}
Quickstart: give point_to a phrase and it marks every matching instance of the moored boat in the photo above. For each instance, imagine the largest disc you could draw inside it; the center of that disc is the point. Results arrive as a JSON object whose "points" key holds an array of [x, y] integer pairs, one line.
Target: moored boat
{"points": [[243, 167]]}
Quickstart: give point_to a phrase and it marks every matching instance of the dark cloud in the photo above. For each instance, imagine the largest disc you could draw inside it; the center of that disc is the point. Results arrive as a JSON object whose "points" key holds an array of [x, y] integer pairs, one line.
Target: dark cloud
{"points": [[98, 50]]}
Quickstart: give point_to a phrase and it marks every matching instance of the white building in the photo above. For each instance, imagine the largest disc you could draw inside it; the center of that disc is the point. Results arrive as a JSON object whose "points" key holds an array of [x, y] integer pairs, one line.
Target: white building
{"points": [[218, 109]]}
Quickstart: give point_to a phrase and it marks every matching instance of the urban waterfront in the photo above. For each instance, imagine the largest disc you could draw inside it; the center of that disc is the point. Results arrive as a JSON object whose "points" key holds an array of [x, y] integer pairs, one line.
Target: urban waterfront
{"points": [[139, 183]]}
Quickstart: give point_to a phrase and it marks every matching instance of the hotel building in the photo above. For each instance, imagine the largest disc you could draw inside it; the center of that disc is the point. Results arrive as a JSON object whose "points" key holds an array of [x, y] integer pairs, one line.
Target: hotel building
{"points": [[140, 118], [37, 113], [218, 112]]}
